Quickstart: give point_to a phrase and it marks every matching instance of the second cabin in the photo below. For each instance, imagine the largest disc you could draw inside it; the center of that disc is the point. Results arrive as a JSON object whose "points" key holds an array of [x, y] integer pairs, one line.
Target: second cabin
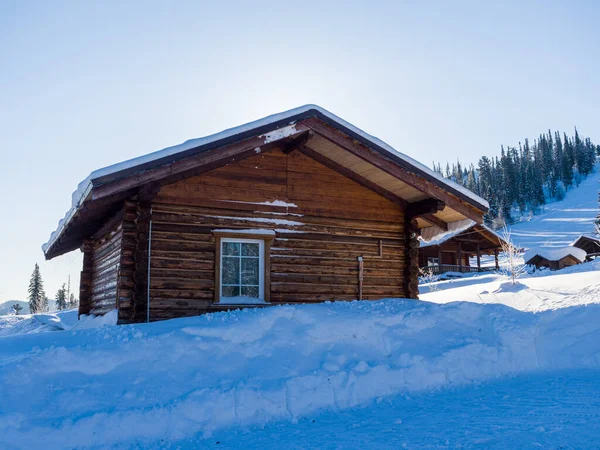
{"points": [[298, 207]]}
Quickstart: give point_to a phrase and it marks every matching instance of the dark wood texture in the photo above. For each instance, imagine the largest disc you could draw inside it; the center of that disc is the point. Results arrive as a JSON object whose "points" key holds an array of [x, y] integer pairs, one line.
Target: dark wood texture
{"points": [[323, 222], [411, 273], [106, 263], [402, 171], [126, 280], [87, 278]]}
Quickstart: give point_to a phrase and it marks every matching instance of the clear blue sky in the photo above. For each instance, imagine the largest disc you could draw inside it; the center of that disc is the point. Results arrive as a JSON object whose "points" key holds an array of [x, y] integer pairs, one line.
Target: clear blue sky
{"points": [[83, 86]]}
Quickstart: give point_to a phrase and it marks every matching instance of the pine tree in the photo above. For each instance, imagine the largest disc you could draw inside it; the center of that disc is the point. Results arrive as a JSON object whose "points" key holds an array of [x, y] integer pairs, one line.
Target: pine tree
{"points": [[37, 297], [17, 308], [61, 298], [73, 302], [525, 176]]}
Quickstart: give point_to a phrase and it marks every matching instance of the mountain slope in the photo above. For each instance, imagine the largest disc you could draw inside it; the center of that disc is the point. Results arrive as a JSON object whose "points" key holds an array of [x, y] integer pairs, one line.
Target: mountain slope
{"points": [[562, 222]]}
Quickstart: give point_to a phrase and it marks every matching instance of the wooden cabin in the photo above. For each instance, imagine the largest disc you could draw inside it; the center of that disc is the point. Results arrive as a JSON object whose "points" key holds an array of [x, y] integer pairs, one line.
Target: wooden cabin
{"points": [[451, 250], [298, 207], [554, 258], [591, 245]]}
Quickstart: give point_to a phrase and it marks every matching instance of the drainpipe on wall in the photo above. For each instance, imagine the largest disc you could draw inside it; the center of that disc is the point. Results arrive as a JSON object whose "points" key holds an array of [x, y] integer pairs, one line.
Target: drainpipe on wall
{"points": [[360, 277], [149, 259]]}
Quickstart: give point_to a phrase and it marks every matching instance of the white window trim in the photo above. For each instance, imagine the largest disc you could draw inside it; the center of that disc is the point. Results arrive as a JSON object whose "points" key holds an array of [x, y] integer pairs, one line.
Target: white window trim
{"points": [[261, 273]]}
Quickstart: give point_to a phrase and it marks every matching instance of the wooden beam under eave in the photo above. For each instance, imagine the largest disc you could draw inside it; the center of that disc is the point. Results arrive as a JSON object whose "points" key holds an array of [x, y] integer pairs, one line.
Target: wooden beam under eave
{"points": [[402, 172], [424, 208], [333, 165], [433, 220], [296, 142]]}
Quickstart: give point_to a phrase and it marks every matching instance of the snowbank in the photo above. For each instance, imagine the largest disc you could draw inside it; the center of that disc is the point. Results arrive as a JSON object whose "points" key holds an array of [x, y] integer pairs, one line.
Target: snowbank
{"points": [[150, 383], [55, 321]]}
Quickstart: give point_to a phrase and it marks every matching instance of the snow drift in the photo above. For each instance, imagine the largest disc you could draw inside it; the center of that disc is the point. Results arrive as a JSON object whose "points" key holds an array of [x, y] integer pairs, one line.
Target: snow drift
{"points": [[129, 385]]}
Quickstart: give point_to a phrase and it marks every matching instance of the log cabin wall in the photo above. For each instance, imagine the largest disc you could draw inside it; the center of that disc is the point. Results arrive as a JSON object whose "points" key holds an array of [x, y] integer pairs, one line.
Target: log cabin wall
{"points": [[323, 221], [102, 275]]}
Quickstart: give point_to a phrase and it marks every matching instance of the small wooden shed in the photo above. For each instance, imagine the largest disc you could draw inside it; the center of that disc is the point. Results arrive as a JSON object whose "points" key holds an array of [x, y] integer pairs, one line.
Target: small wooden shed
{"points": [[297, 207], [555, 258], [591, 245]]}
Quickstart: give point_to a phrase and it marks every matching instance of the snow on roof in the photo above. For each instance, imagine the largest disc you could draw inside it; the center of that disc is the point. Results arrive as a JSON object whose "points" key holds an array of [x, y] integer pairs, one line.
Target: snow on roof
{"points": [[435, 236], [429, 236], [84, 188], [555, 253]]}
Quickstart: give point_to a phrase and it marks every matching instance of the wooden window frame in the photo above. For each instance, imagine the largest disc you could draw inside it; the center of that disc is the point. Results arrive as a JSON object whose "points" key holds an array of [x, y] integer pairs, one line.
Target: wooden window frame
{"points": [[431, 259], [266, 278]]}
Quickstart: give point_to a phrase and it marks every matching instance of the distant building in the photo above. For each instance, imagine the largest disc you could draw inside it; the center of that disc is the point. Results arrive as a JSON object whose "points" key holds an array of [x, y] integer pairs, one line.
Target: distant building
{"points": [[554, 258], [450, 250], [590, 244]]}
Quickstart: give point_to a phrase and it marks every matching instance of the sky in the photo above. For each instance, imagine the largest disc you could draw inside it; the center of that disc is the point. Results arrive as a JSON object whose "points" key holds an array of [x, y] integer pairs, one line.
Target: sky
{"points": [[84, 85]]}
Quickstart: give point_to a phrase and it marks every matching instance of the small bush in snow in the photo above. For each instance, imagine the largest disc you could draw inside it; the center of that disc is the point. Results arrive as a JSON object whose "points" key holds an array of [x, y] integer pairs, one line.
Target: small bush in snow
{"points": [[511, 263], [426, 276]]}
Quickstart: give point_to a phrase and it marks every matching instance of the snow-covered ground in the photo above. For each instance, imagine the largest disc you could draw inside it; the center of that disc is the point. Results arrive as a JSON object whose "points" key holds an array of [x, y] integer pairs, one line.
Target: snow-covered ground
{"points": [[541, 291], [540, 410], [389, 372], [562, 222]]}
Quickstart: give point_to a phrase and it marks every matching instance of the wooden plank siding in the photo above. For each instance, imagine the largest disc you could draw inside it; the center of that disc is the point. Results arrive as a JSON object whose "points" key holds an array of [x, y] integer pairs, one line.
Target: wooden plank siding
{"points": [[105, 265], [323, 222]]}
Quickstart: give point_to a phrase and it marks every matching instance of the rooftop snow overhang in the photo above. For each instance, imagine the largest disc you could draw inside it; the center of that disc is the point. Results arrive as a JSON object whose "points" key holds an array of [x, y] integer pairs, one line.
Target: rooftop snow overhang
{"points": [[102, 193], [466, 230]]}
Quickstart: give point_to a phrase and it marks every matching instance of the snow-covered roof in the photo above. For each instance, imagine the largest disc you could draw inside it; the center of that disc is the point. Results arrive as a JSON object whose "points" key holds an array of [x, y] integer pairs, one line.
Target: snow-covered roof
{"points": [[555, 253], [283, 125], [586, 236], [436, 236]]}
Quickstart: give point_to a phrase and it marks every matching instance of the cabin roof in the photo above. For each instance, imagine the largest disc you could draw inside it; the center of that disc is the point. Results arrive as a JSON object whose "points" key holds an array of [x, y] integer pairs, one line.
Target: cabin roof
{"points": [[554, 253], [435, 236], [581, 240], [99, 193]]}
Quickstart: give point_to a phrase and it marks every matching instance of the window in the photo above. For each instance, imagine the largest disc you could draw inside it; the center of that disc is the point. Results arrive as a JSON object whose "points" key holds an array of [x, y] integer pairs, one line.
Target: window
{"points": [[433, 261], [241, 271]]}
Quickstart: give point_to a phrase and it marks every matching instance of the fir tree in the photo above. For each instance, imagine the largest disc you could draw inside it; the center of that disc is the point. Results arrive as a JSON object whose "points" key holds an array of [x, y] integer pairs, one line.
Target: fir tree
{"points": [[72, 301], [37, 297], [61, 298], [17, 308]]}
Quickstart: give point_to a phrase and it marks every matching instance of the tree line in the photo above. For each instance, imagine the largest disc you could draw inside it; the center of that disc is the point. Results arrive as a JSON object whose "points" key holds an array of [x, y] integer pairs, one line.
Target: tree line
{"points": [[524, 177], [39, 303]]}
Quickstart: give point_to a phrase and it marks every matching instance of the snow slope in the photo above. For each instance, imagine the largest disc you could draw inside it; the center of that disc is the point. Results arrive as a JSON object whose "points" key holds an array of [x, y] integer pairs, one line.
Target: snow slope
{"points": [[553, 411], [544, 290], [152, 384], [562, 222]]}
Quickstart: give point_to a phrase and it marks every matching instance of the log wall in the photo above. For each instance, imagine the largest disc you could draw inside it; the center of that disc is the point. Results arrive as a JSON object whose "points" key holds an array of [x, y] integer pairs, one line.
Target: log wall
{"points": [[323, 222], [104, 261]]}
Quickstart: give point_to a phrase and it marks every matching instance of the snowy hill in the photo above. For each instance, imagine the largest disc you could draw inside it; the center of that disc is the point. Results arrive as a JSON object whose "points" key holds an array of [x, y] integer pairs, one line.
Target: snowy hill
{"points": [[179, 382], [562, 222], [6, 307]]}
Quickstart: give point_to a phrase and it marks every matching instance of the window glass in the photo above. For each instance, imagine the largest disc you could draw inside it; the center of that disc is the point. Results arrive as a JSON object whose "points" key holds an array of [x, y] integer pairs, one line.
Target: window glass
{"points": [[242, 266], [230, 270]]}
